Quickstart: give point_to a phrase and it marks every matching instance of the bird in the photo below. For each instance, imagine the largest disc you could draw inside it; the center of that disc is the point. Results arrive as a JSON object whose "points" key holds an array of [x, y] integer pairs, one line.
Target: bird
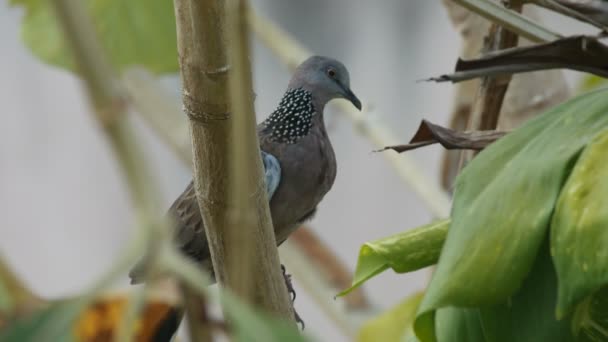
{"points": [[298, 158]]}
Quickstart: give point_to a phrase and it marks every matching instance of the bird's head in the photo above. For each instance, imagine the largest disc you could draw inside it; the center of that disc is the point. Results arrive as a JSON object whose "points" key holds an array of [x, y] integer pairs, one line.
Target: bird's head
{"points": [[326, 79]]}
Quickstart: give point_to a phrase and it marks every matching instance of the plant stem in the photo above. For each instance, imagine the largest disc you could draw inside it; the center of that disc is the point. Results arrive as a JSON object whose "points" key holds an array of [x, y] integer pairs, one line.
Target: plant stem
{"points": [[217, 149]]}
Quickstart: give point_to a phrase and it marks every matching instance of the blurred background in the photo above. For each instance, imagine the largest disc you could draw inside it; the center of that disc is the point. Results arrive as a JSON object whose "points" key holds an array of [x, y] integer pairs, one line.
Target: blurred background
{"points": [[64, 211]]}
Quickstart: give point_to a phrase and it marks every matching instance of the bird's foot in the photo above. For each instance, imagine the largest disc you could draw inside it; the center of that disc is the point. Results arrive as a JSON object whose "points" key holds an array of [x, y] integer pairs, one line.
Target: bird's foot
{"points": [[290, 289], [292, 294]]}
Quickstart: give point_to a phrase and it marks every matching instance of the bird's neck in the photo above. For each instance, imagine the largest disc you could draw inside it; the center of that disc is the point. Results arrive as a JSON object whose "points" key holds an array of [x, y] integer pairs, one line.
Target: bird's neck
{"points": [[294, 118]]}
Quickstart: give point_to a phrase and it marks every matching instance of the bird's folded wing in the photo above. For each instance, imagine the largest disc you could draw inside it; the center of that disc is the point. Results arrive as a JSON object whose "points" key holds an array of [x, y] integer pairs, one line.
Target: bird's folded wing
{"points": [[189, 229]]}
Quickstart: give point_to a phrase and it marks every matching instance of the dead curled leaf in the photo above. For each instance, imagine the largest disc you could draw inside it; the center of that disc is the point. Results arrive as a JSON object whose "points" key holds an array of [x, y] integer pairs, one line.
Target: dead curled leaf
{"points": [[581, 53], [429, 133]]}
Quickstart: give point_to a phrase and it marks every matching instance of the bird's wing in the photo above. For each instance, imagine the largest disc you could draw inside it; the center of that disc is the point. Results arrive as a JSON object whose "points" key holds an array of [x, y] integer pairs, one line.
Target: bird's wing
{"points": [[272, 173], [189, 229]]}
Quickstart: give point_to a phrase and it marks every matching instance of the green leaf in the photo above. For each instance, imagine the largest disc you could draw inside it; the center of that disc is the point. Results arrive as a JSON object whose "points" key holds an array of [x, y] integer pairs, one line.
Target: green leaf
{"points": [[458, 324], [579, 238], [52, 323], [252, 325], [590, 320], [404, 252], [527, 316], [134, 32], [502, 207], [393, 324], [590, 82]]}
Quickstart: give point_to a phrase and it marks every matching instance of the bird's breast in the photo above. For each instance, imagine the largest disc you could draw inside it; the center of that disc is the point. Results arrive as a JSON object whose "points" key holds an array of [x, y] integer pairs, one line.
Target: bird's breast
{"points": [[308, 171]]}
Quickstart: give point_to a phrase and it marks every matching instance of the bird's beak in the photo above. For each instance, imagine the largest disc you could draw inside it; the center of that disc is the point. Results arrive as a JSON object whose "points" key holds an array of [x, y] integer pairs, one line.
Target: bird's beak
{"points": [[350, 96]]}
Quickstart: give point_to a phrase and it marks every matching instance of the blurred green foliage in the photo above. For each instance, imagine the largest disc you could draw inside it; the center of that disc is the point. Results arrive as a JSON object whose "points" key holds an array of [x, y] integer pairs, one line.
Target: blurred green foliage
{"points": [[134, 32]]}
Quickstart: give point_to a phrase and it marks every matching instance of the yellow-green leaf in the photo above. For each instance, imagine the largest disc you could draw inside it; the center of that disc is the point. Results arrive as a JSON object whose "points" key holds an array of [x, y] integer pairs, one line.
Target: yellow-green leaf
{"points": [[579, 234], [393, 324], [404, 252]]}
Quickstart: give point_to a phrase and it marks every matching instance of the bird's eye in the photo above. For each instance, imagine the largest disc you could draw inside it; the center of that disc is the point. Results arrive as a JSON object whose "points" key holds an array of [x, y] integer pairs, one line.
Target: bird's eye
{"points": [[331, 73]]}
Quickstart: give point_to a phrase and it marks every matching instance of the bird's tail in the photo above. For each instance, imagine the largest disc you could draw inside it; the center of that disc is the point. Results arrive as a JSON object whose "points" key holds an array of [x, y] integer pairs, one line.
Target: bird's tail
{"points": [[168, 325]]}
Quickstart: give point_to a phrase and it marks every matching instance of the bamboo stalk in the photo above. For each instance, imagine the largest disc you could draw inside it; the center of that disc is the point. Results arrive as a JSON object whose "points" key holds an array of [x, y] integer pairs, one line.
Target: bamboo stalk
{"points": [[256, 270], [205, 76]]}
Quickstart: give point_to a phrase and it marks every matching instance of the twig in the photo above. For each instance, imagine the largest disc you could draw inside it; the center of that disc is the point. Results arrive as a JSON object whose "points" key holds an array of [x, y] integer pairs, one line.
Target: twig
{"points": [[321, 258], [160, 110], [292, 53]]}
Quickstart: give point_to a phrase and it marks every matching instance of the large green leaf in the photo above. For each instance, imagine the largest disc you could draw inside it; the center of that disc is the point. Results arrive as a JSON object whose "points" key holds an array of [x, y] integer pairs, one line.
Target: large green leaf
{"points": [[391, 325], [404, 252], [502, 206], [458, 324], [527, 316], [134, 32], [579, 234]]}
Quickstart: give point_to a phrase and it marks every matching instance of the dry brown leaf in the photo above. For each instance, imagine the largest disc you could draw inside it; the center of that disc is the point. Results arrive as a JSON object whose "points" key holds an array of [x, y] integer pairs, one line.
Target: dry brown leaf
{"points": [[429, 133]]}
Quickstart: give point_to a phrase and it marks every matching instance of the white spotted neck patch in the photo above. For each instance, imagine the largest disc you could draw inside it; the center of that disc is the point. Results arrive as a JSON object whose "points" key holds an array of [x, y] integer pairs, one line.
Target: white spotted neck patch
{"points": [[292, 120]]}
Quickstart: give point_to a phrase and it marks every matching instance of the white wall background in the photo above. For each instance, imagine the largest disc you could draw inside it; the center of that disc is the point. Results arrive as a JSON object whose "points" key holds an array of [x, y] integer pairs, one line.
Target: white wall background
{"points": [[64, 213]]}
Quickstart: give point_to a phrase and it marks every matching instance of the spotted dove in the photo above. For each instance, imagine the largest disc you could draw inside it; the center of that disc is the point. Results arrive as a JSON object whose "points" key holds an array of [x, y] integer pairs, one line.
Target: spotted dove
{"points": [[299, 161]]}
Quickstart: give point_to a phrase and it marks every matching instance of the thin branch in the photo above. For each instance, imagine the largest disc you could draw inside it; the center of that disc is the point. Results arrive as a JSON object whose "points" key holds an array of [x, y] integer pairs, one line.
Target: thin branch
{"points": [[486, 107], [334, 269], [160, 110], [292, 53]]}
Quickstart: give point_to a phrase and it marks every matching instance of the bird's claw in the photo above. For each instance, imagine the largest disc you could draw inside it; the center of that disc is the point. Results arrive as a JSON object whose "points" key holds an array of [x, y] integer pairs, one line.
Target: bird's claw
{"points": [[290, 289], [292, 294]]}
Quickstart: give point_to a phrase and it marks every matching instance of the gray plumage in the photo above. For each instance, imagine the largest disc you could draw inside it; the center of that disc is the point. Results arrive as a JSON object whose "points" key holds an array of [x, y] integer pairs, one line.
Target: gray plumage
{"points": [[299, 161]]}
